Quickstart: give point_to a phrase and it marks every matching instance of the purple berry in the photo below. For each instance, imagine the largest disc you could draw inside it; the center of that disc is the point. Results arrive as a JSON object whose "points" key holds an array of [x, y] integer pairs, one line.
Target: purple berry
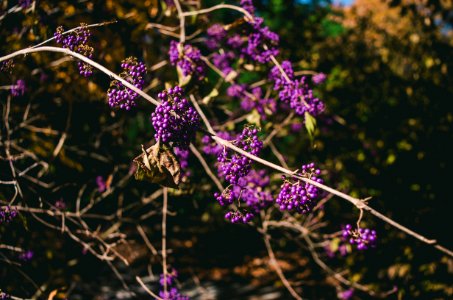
{"points": [[295, 92], [77, 41], [188, 59], [297, 195], [363, 238], [121, 96], [175, 120], [18, 89]]}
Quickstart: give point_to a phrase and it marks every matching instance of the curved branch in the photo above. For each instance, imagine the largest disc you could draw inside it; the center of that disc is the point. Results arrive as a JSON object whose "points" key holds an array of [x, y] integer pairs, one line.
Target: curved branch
{"points": [[217, 7]]}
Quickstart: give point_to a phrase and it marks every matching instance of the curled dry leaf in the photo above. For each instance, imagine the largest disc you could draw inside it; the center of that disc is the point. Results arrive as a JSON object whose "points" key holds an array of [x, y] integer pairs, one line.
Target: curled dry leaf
{"points": [[158, 164]]}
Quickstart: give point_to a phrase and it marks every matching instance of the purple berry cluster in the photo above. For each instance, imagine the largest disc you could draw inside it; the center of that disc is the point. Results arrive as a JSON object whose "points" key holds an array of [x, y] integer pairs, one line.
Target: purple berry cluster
{"points": [[246, 185], [216, 33], [226, 197], [211, 147], [172, 292], [100, 182], [77, 41], [248, 6], [223, 61], [346, 294], [4, 296], [26, 255], [232, 165], [319, 78], [235, 168], [60, 204], [183, 157], [250, 190], [170, 3], [363, 238], [235, 41], [295, 92], [133, 72], [297, 195], [253, 99], [175, 120], [188, 59], [239, 216], [18, 89], [7, 214], [25, 3], [261, 43]]}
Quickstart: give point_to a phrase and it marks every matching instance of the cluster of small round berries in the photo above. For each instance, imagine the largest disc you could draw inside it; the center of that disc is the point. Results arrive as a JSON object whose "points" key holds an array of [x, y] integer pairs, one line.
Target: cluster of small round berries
{"points": [[18, 89], [4, 296], [77, 41], [169, 3], [238, 216], [362, 237], [295, 92], [216, 34], [172, 292], [212, 147], [60, 204], [319, 78], [183, 157], [26, 255], [253, 99], [223, 61], [226, 197], [261, 44], [188, 59], [248, 6], [175, 120], [252, 189], [7, 214], [101, 184], [25, 3], [298, 195], [133, 72], [233, 166]]}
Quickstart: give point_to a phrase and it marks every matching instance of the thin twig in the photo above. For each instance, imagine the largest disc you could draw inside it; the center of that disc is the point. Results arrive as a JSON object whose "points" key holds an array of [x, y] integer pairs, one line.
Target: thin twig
{"points": [[164, 238], [182, 21], [206, 167], [217, 7], [273, 262], [140, 281], [74, 29]]}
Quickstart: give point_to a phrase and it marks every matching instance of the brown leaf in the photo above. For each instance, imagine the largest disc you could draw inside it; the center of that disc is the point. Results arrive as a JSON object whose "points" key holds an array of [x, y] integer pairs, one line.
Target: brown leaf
{"points": [[158, 164]]}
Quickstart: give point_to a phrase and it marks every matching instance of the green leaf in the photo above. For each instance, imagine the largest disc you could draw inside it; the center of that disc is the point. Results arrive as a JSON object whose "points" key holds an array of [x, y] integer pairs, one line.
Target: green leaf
{"points": [[310, 124], [183, 80]]}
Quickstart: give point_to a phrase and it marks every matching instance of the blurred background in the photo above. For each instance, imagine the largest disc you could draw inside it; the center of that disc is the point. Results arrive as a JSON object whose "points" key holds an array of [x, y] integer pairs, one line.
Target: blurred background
{"points": [[387, 133]]}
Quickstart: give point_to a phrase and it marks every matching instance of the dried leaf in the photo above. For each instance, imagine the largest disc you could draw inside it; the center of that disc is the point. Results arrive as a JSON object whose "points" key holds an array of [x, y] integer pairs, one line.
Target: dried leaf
{"points": [[158, 164]]}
